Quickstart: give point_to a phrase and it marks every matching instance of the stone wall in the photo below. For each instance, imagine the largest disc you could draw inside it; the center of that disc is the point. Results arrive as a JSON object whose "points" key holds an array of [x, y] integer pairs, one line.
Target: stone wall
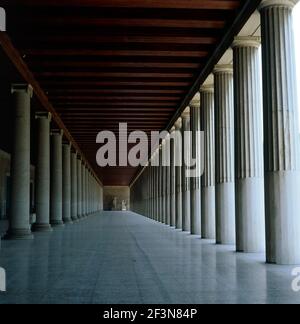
{"points": [[120, 193]]}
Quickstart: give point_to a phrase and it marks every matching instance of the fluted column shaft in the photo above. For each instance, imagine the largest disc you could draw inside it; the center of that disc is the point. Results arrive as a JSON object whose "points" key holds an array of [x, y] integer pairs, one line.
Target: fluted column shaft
{"points": [[56, 179], [208, 192], [281, 137], [185, 180], [161, 187], [250, 216], [83, 189], [79, 189], [196, 155], [167, 182], [74, 205], [178, 170], [19, 227], [156, 178], [225, 186], [66, 205], [172, 179], [42, 173], [151, 190]]}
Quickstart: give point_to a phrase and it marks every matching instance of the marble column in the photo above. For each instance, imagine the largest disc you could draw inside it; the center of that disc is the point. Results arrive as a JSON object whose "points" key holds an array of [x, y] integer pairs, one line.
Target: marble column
{"points": [[167, 180], [225, 180], [161, 186], [151, 189], [56, 179], [164, 183], [66, 197], [157, 176], [281, 132], [86, 191], [83, 190], [79, 188], [42, 173], [178, 170], [185, 180], [74, 204], [196, 155], [19, 220], [249, 165], [208, 192], [172, 179]]}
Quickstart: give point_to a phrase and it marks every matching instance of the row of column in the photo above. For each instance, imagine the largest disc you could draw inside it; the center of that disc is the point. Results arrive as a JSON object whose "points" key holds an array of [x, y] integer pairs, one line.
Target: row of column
{"points": [[249, 190], [66, 189]]}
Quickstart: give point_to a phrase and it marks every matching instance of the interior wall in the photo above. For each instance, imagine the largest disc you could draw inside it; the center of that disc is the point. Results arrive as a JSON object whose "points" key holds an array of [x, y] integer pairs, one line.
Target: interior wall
{"points": [[119, 194]]}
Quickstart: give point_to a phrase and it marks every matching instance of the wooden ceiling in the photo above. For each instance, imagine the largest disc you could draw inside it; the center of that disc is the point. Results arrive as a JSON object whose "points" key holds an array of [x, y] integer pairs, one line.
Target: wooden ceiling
{"points": [[102, 62]]}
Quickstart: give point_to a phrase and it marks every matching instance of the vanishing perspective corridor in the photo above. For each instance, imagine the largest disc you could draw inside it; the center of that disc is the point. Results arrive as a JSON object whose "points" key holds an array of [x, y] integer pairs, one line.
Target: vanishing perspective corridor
{"points": [[121, 257]]}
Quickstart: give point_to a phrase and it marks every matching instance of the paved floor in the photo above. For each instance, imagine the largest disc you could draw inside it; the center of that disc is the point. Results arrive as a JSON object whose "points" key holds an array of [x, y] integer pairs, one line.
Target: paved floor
{"points": [[125, 258]]}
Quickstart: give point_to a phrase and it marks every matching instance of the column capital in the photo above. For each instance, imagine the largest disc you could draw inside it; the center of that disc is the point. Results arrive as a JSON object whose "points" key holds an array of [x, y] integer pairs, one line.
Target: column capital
{"points": [[22, 87], [277, 3], [57, 132], [195, 102], [186, 113], [67, 143], [208, 88], [223, 68], [43, 115], [178, 123], [246, 41]]}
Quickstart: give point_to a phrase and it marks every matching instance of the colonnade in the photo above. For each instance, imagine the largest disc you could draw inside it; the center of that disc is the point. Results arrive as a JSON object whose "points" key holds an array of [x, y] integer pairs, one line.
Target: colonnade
{"points": [[66, 189], [248, 194]]}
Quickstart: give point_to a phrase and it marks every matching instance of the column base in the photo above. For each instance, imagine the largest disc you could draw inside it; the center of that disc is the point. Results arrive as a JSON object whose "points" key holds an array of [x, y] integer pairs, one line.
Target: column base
{"points": [[57, 224], [68, 221], [75, 220], [19, 234], [41, 228]]}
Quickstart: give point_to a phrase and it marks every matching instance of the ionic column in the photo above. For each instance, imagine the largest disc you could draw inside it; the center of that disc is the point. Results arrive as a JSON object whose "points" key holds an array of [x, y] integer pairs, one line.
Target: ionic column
{"points": [[225, 186], [19, 226], [79, 188], [168, 182], [281, 135], [87, 190], [195, 154], [250, 214], [161, 185], [66, 205], [150, 188], [157, 210], [164, 183], [172, 178], [208, 193], [178, 170], [83, 189], [56, 179], [185, 182], [42, 173], [74, 204]]}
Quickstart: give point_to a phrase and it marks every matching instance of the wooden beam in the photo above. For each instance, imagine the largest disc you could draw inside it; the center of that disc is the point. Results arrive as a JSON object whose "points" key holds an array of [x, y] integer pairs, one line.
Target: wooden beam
{"points": [[160, 4], [66, 38], [133, 75], [123, 22], [114, 91], [111, 53], [89, 64]]}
